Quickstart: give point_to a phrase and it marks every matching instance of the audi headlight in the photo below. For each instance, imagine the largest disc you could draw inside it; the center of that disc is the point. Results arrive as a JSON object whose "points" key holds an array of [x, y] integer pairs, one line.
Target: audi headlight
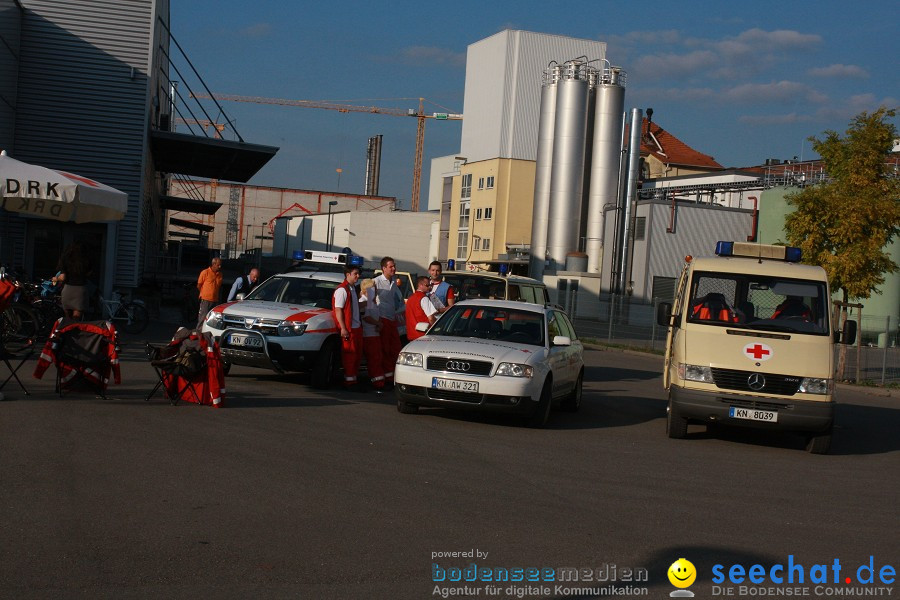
{"points": [[291, 328], [695, 373], [515, 370], [215, 319], [815, 385], [410, 359]]}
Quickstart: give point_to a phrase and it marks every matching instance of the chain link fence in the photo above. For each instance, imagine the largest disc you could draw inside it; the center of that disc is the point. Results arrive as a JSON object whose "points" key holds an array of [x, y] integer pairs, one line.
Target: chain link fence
{"points": [[623, 321]]}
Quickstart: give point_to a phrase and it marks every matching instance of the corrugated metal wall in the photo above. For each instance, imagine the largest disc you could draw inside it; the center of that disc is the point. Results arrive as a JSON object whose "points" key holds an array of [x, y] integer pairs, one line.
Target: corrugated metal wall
{"points": [[503, 90], [83, 98], [10, 22]]}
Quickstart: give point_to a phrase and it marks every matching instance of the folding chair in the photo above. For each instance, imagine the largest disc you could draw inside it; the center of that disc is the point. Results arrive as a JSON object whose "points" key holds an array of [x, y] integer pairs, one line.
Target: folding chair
{"points": [[189, 368], [83, 352], [176, 366], [21, 354]]}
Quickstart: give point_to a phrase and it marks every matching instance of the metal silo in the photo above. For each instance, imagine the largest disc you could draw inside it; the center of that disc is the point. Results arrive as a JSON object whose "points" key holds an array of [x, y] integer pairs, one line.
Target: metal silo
{"points": [[544, 162], [628, 197], [567, 175], [593, 77], [606, 157]]}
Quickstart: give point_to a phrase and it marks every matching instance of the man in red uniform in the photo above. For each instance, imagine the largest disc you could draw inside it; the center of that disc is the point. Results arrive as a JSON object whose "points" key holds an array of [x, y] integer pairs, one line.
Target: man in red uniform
{"points": [[390, 309], [419, 309], [345, 306]]}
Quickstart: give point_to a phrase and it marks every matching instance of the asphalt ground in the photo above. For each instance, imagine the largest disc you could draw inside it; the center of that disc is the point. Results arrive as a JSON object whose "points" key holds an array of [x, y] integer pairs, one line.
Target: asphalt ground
{"points": [[289, 492]]}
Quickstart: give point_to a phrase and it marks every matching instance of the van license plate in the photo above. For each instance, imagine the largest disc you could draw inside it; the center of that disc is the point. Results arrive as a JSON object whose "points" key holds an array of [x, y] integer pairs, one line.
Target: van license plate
{"points": [[753, 414], [251, 341], [455, 385]]}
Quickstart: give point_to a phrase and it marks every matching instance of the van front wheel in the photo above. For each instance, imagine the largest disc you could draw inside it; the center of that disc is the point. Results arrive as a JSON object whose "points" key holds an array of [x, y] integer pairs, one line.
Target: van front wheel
{"points": [[676, 425], [819, 444]]}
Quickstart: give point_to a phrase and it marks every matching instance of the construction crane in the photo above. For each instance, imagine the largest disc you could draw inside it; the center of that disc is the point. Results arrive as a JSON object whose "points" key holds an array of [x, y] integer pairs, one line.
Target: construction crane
{"points": [[205, 123], [346, 108]]}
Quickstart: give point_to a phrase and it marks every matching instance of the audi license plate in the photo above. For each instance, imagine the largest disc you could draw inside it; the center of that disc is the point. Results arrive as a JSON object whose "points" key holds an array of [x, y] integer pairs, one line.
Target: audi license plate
{"points": [[456, 385], [753, 414], [251, 341]]}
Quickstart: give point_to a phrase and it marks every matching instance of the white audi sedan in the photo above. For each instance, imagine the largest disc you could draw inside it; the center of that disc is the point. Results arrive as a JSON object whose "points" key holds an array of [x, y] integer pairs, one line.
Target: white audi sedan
{"points": [[494, 355]]}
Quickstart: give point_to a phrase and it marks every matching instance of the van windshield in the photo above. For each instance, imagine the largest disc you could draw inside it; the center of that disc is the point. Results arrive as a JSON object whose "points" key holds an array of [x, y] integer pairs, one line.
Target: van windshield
{"points": [[758, 302], [469, 287]]}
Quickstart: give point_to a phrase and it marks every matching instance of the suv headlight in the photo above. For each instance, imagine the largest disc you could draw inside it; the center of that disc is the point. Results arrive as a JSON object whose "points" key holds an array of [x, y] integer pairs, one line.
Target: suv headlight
{"points": [[695, 373], [291, 328], [515, 370], [410, 359], [815, 385], [215, 319]]}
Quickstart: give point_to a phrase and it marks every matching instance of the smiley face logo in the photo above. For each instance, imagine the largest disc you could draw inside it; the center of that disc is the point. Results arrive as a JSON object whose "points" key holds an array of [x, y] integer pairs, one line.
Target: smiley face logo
{"points": [[682, 573]]}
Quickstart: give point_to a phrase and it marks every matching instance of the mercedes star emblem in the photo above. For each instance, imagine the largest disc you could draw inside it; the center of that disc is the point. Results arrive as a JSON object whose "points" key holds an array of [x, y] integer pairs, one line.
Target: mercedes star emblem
{"points": [[756, 382]]}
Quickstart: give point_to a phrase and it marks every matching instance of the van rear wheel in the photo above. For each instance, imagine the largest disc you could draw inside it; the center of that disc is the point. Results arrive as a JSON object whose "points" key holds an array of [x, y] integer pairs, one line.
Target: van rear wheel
{"points": [[676, 425]]}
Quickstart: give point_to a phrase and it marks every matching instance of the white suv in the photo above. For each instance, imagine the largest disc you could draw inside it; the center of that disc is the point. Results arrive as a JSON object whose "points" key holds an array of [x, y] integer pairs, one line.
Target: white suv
{"points": [[495, 355], [285, 324]]}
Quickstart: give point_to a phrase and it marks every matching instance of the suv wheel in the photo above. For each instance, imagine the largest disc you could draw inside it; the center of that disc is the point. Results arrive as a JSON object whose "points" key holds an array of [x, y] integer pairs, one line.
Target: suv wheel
{"points": [[326, 365]]}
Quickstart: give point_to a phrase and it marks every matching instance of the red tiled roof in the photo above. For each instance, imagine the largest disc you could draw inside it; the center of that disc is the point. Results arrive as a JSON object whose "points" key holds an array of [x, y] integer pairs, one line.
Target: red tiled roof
{"points": [[669, 149]]}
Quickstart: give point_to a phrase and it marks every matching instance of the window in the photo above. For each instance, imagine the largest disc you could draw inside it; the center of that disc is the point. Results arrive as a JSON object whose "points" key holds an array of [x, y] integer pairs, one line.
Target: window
{"points": [[464, 215], [481, 183], [476, 245], [478, 215], [640, 227], [466, 187], [486, 244], [462, 244], [490, 182], [488, 213]]}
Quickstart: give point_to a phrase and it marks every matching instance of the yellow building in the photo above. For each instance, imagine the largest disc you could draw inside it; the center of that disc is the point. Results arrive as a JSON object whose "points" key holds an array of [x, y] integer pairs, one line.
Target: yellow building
{"points": [[490, 212]]}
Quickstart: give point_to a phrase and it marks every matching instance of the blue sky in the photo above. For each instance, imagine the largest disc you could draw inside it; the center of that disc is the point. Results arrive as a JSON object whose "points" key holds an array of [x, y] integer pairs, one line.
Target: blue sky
{"points": [[741, 84]]}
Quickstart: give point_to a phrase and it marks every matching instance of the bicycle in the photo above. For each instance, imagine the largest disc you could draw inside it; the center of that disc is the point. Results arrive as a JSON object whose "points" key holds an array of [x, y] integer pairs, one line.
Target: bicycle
{"points": [[130, 316]]}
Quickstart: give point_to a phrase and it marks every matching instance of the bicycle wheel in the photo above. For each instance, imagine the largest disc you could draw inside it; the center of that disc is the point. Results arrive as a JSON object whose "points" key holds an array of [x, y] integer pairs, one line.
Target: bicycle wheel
{"points": [[48, 312], [19, 325], [133, 317]]}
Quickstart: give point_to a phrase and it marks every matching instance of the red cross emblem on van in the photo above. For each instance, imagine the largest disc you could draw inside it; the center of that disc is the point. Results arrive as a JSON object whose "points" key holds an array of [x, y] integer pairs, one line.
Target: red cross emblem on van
{"points": [[757, 351]]}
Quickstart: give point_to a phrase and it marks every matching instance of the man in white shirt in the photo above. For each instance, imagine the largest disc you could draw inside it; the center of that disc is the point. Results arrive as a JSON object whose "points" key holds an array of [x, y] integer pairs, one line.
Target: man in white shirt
{"points": [[386, 295], [243, 284]]}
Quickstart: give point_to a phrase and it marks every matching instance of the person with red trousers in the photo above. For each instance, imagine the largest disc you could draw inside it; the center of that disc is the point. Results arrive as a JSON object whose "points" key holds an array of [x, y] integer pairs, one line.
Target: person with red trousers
{"points": [[345, 305]]}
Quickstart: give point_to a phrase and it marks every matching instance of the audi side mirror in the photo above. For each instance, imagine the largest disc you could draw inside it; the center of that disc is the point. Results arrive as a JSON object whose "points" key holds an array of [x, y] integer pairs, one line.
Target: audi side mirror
{"points": [[562, 340]]}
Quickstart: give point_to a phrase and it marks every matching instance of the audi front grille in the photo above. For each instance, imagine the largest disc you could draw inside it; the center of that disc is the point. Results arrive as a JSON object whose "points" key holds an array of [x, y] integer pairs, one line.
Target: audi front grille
{"points": [[459, 365]]}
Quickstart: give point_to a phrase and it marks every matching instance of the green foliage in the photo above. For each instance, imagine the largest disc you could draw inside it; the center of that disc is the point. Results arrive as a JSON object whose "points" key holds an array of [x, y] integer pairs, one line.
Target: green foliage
{"points": [[845, 225]]}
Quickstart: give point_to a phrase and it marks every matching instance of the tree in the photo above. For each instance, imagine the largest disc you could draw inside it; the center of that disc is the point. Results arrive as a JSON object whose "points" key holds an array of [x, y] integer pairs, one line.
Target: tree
{"points": [[845, 225]]}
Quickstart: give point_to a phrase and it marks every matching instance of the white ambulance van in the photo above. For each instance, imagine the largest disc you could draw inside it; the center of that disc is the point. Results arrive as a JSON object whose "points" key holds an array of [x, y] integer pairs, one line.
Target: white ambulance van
{"points": [[751, 342]]}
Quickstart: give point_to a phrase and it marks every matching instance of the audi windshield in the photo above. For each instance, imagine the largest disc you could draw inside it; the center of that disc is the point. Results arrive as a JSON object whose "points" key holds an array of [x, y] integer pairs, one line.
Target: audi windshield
{"points": [[758, 302], [491, 323]]}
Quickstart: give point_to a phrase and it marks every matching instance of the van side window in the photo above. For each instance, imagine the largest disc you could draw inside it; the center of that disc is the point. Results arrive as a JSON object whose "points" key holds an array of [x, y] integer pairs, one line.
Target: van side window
{"points": [[512, 292]]}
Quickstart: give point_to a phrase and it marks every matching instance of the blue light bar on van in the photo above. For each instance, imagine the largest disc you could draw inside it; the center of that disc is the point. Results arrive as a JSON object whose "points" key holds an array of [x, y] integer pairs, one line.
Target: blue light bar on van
{"points": [[451, 264], [769, 251], [724, 248], [298, 255]]}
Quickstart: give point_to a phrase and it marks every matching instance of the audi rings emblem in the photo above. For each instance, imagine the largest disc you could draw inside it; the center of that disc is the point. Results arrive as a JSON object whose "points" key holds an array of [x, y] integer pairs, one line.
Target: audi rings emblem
{"points": [[458, 365], [756, 382]]}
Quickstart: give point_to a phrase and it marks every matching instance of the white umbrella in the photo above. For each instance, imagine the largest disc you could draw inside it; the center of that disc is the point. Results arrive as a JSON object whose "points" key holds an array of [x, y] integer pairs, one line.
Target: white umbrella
{"points": [[42, 192]]}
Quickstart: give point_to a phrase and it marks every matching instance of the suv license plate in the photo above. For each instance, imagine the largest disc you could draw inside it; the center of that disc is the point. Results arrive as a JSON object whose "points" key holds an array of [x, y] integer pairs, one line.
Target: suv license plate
{"points": [[244, 340], [753, 414], [455, 385]]}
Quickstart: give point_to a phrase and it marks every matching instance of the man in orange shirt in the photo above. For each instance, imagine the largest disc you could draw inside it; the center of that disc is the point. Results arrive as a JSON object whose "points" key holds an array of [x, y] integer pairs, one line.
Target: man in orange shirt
{"points": [[209, 283]]}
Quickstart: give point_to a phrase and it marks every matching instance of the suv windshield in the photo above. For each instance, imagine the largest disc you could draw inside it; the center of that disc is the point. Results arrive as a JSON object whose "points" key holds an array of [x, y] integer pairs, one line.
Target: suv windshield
{"points": [[491, 323], [758, 302], [295, 290]]}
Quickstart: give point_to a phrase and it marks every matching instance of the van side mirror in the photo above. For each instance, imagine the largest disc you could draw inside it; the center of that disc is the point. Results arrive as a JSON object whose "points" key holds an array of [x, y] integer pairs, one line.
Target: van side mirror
{"points": [[848, 333], [663, 313]]}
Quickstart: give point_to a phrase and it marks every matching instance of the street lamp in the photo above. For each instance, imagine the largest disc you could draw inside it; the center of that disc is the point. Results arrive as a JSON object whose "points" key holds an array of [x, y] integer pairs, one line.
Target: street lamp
{"points": [[328, 232]]}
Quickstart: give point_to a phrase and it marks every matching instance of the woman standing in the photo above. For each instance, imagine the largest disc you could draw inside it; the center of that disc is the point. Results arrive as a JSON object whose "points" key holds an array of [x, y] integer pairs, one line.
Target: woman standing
{"points": [[73, 271]]}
